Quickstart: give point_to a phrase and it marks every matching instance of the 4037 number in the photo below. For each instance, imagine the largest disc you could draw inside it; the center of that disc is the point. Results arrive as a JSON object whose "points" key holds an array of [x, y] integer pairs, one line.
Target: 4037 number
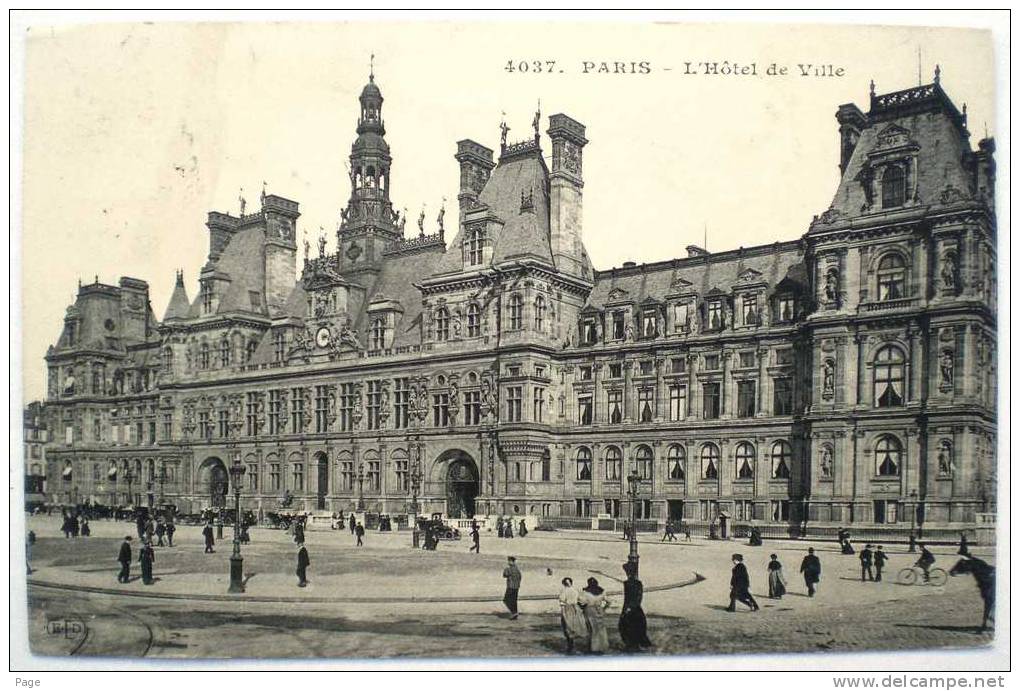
{"points": [[531, 66]]}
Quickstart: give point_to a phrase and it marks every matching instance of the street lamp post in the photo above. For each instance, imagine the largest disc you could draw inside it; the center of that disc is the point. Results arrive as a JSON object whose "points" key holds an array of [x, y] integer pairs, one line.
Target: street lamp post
{"points": [[236, 561], [415, 480], [913, 518], [361, 487], [633, 487]]}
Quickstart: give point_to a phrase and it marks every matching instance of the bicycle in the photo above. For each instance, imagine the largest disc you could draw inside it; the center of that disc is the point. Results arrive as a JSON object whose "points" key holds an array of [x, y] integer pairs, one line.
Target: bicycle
{"points": [[911, 575]]}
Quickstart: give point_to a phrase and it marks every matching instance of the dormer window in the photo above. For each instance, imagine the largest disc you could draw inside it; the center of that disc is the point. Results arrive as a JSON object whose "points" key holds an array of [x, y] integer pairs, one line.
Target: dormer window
{"points": [[207, 297], [378, 334], [894, 186], [750, 304], [473, 321], [680, 317], [590, 331], [250, 350], [203, 356], [892, 275], [475, 246], [648, 326], [784, 309], [619, 330], [442, 324], [715, 315], [168, 365]]}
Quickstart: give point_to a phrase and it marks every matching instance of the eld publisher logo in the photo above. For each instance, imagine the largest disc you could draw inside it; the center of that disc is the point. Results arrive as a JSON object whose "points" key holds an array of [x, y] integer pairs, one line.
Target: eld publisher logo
{"points": [[68, 628]]}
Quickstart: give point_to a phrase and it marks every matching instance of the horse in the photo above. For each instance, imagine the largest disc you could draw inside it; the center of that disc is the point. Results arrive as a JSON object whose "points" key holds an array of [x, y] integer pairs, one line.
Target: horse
{"points": [[984, 576]]}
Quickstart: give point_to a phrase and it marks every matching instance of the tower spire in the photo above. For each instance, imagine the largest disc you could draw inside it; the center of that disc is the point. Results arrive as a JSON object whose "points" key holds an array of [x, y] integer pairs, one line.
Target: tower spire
{"points": [[371, 68]]}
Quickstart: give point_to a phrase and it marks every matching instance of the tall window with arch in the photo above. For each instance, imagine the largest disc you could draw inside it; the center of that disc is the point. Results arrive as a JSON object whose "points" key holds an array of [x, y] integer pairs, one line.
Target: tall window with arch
{"points": [[442, 324], [782, 458], [584, 464], [516, 305], [474, 321], [644, 460], [890, 366], [539, 313], [614, 463], [203, 356], [744, 457], [675, 461], [894, 186], [709, 462], [892, 277], [888, 456], [168, 362], [378, 333]]}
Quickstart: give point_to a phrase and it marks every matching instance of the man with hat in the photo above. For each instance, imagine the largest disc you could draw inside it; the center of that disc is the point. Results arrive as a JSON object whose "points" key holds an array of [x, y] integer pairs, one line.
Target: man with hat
{"points": [[740, 586], [513, 585], [865, 558], [811, 567], [125, 560]]}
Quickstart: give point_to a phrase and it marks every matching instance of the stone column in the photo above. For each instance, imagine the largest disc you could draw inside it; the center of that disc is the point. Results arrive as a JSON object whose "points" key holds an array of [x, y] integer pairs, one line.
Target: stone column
{"points": [[627, 390], [726, 405], [763, 383]]}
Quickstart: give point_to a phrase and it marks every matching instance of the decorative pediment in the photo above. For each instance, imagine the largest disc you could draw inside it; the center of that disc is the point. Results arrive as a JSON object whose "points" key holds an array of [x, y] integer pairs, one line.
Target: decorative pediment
{"points": [[749, 276], [617, 295], [679, 285], [893, 136]]}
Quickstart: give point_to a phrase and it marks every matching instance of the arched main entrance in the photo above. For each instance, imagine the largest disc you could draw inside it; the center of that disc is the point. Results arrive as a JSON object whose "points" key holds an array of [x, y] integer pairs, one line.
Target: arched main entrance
{"points": [[322, 486], [462, 484], [212, 475]]}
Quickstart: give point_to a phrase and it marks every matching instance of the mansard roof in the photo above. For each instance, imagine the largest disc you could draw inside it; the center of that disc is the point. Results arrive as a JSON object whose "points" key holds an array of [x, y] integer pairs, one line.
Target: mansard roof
{"points": [[241, 265], [179, 303]]}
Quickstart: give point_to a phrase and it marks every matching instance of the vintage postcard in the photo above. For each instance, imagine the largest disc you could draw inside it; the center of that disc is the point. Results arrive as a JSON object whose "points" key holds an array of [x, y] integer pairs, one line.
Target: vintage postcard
{"points": [[540, 341]]}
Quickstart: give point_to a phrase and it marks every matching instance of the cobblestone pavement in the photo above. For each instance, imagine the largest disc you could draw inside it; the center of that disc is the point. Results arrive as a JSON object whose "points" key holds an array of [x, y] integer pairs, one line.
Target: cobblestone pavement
{"points": [[847, 615]]}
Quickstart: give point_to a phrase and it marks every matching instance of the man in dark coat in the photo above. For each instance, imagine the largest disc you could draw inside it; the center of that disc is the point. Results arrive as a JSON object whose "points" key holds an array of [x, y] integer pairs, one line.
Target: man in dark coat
{"points": [[125, 560], [476, 538], [353, 523], [513, 585], [740, 586], [302, 565], [359, 530], [207, 533], [523, 530], [146, 557], [865, 558], [880, 560], [299, 531], [160, 532], [811, 567], [170, 532]]}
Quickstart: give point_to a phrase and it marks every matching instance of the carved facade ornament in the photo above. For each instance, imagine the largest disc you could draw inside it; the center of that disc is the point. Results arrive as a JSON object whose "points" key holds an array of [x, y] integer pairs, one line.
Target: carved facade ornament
{"points": [[946, 367], [828, 378], [825, 462], [948, 272], [617, 294], [944, 459], [952, 194]]}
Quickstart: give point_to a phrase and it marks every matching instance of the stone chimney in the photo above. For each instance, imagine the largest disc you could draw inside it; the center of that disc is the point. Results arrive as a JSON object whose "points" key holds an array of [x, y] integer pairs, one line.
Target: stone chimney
{"points": [[565, 184], [475, 167], [851, 122]]}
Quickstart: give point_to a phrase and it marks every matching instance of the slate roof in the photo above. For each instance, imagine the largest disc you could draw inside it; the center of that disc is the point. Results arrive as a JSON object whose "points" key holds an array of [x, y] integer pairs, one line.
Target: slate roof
{"points": [[242, 263], [179, 303]]}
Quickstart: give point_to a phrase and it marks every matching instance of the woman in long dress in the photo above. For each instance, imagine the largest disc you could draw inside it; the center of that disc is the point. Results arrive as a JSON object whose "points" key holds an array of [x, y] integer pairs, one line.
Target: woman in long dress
{"points": [[571, 619], [595, 603], [633, 624], [777, 583]]}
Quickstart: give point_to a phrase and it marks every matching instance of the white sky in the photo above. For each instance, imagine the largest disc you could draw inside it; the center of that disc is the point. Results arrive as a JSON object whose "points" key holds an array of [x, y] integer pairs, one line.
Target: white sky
{"points": [[134, 132]]}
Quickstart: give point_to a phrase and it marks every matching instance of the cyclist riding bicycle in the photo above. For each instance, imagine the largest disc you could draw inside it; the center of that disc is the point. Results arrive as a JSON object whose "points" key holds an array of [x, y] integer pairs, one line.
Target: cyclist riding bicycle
{"points": [[925, 561]]}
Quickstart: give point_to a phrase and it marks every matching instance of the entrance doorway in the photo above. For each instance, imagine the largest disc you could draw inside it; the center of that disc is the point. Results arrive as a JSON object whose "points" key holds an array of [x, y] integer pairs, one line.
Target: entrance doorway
{"points": [[462, 485], [676, 509], [322, 486], [213, 475]]}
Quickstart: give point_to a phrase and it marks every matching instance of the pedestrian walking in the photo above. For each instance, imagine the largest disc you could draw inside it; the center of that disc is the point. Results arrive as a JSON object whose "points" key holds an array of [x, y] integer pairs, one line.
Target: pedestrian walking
{"points": [[880, 560], [359, 530], [633, 624], [572, 621], [299, 531], [668, 533], [140, 526], [476, 539], [811, 567], [160, 532], [595, 603], [523, 529], [499, 527], [170, 532], [964, 546], [777, 582], [302, 565], [207, 533], [125, 560], [740, 586], [86, 531], [687, 533], [75, 528], [146, 556], [29, 544], [353, 523], [865, 558], [513, 585]]}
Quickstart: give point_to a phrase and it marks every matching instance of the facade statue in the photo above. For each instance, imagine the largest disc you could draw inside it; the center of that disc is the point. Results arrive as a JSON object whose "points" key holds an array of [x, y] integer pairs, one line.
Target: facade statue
{"points": [[421, 222], [825, 466], [832, 285], [949, 272], [946, 366], [945, 457], [503, 129], [439, 219], [828, 379]]}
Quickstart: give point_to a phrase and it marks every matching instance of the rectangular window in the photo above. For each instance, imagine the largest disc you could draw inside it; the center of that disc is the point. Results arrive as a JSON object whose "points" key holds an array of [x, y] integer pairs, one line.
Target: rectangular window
{"points": [[205, 426], [780, 510], [590, 332], [711, 362], [614, 401], [540, 371], [747, 359], [298, 477], [224, 420], [582, 507], [746, 399], [615, 370], [374, 404], [585, 373], [715, 316], [618, 326], [646, 368], [401, 400], [275, 409], [297, 410], [612, 507], [680, 317], [347, 407], [168, 425], [646, 404], [279, 346], [207, 297], [678, 365], [538, 401], [711, 400], [97, 429], [472, 408], [782, 397], [784, 309], [784, 356], [677, 403], [441, 410], [750, 310], [513, 404], [584, 410], [347, 475], [400, 467], [649, 329], [152, 431], [743, 510], [321, 408], [251, 414], [374, 476]]}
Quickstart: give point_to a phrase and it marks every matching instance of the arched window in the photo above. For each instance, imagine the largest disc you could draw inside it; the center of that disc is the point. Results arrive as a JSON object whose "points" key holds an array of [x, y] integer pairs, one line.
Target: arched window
{"points": [[892, 277], [894, 187], [378, 334], [584, 463], [203, 356], [250, 350], [442, 324], [643, 458], [745, 461], [709, 462], [474, 326], [546, 466], [475, 245], [516, 312], [279, 346], [224, 353], [675, 460], [888, 456], [168, 361], [782, 456], [539, 313], [613, 463], [889, 377]]}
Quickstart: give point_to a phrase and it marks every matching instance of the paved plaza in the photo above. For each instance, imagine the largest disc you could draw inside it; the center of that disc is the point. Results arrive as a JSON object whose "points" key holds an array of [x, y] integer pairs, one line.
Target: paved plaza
{"points": [[386, 599]]}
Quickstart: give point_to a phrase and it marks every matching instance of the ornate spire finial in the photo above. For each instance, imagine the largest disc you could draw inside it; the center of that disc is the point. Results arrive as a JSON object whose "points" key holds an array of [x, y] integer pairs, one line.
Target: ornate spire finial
{"points": [[304, 234], [322, 242], [503, 129], [421, 221], [240, 198], [263, 197], [538, 117], [371, 68], [938, 73], [872, 88]]}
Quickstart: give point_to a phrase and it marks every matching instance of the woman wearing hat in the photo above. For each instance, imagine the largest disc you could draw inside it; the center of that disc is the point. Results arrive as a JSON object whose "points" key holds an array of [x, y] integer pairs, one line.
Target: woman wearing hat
{"points": [[633, 624], [571, 619], [593, 600]]}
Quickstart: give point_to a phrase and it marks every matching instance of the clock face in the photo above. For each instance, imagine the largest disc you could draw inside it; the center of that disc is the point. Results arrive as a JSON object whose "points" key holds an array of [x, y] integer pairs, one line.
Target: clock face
{"points": [[322, 337]]}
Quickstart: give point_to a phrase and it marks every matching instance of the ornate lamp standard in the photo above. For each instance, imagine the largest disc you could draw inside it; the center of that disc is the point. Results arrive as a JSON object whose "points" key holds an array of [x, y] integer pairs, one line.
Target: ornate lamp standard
{"points": [[633, 487], [236, 561], [913, 517], [361, 486], [415, 479]]}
